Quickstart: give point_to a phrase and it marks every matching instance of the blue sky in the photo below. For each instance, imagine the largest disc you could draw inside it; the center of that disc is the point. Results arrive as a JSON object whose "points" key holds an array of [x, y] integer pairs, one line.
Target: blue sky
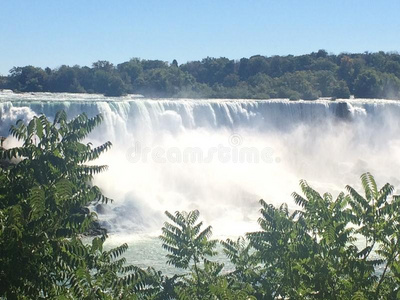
{"points": [[54, 32]]}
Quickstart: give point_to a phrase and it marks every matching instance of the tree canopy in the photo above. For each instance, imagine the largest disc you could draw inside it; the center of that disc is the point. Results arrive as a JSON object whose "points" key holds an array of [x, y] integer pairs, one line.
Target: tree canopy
{"points": [[319, 74], [44, 193]]}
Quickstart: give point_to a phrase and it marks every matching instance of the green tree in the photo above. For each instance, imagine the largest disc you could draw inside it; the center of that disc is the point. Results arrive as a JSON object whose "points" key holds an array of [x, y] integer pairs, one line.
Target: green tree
{"points": [[368, 84], [331, 249], [3, 82], [65, 79], [174, 63], [377, 216], [187, 243], [27, 79], [185, 240], [188, 247], [115, 87], [326, 83], [134, 70], [296, 77], [43, 200], [390, 86], [341, 90], [103, 65]]}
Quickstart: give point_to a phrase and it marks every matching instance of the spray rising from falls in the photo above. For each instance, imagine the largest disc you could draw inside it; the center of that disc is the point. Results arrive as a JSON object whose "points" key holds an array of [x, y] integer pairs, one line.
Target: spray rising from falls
{"points": [[222, 156]]}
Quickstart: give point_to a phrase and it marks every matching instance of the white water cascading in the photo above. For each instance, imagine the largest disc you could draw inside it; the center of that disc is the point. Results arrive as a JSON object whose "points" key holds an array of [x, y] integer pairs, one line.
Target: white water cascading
{"points": [[222, 156]]}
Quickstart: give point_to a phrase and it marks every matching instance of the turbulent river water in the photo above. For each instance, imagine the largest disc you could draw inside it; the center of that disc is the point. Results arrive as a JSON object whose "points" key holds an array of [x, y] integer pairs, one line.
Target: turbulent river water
{"points": [[219, 156]]}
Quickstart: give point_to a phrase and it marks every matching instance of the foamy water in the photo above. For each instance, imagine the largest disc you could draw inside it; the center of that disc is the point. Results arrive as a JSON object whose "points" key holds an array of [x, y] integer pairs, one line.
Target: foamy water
{"points": [[221, 156]]}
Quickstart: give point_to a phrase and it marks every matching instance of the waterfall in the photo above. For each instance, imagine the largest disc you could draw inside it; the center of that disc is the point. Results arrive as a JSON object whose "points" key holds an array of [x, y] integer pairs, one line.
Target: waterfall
{"points": [[221, 156]]}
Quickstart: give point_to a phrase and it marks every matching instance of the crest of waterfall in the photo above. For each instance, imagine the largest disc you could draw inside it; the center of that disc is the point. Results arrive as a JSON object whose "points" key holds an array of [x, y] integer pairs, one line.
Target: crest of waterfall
{"points": [[221, 156]]}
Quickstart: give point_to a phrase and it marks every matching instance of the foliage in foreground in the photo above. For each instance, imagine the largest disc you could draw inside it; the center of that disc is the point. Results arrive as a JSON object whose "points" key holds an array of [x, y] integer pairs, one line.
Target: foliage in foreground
{"points": [[343, 248], [43, 200]]}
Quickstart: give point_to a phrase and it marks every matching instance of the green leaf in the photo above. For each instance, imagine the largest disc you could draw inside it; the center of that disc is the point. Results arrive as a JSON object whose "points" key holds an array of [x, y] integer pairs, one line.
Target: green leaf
{"points": [[37, 202], [97, 244], [39, 128]]}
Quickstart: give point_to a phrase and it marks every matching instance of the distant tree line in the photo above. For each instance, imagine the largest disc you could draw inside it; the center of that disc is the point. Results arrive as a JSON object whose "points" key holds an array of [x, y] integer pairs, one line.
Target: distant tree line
{"points": [[319, 74]]}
